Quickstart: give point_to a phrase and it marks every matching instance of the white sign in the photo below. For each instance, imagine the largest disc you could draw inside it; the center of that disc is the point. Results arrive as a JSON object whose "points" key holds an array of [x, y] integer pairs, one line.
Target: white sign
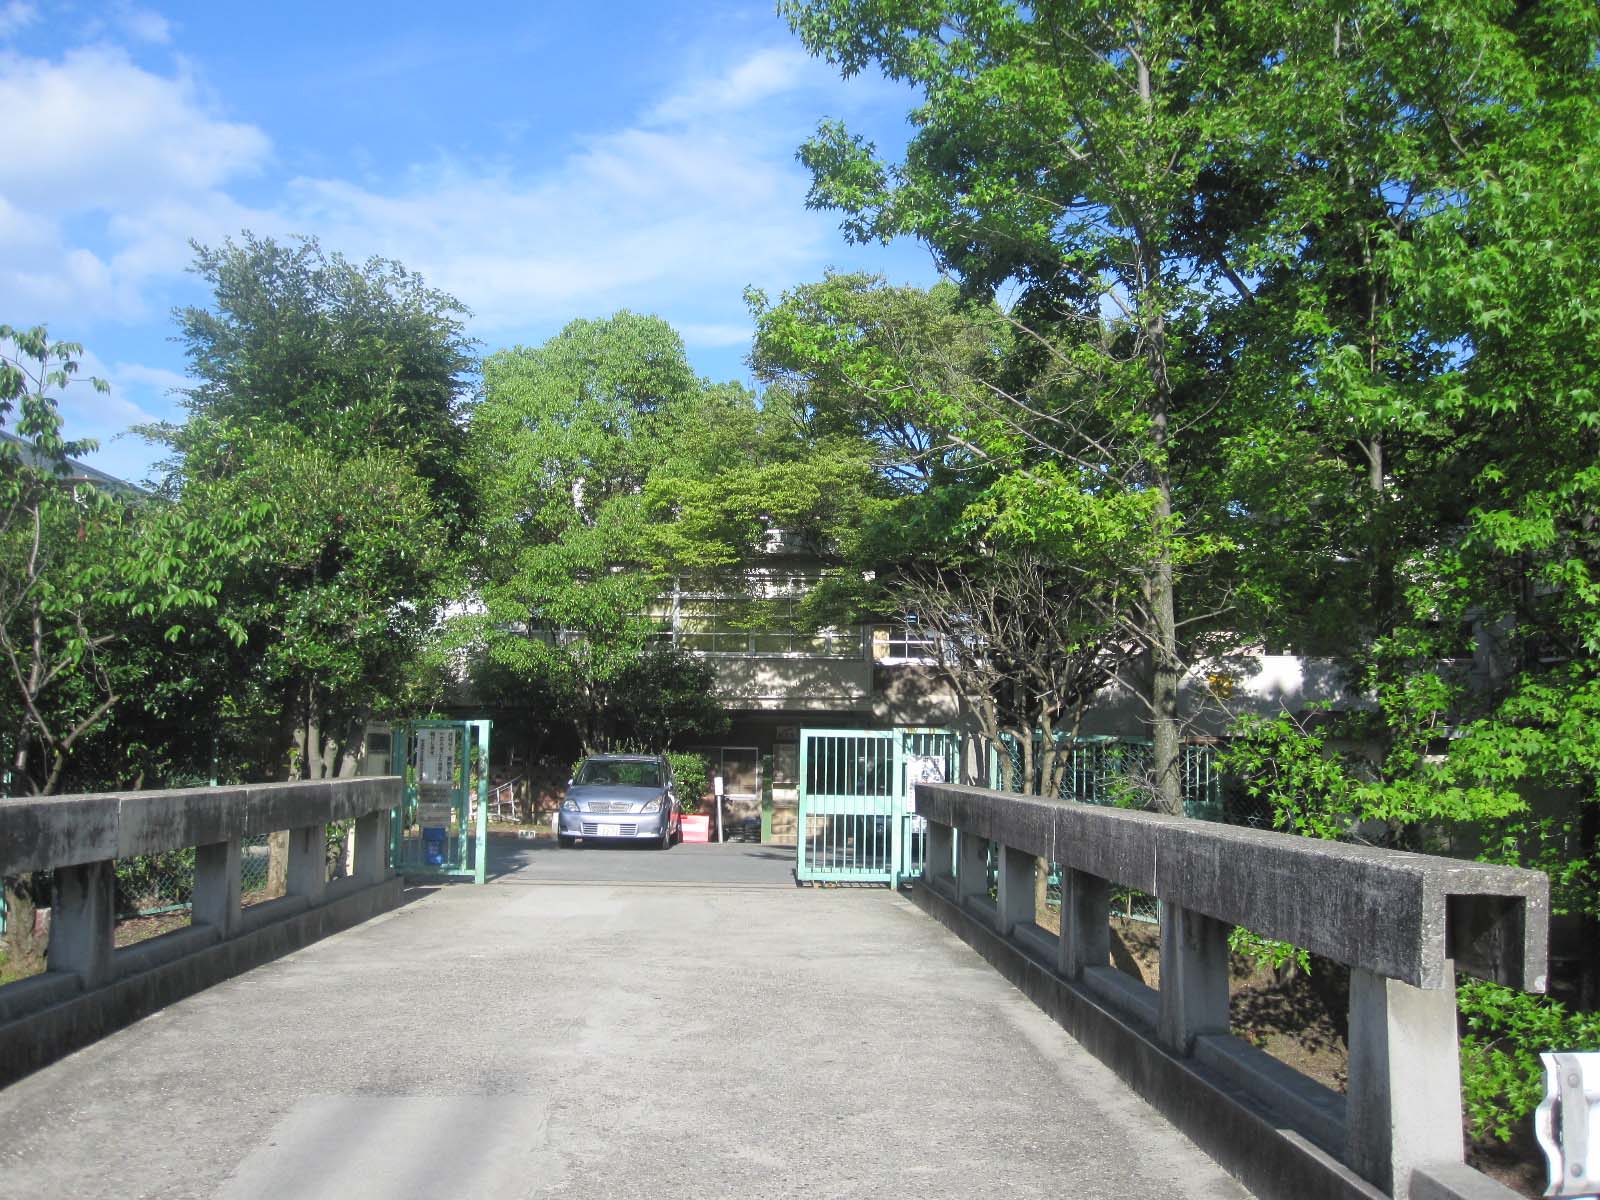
{"points": [[436, 757], [922, 768]]}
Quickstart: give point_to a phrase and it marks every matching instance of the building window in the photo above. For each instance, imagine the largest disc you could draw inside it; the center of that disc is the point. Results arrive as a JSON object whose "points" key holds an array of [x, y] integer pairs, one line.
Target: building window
{"points": [[909, 642]]}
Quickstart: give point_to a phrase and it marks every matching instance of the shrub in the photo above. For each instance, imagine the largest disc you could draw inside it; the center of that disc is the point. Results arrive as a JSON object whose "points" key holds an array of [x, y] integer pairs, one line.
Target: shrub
{"points": [[691, 771], [1504, 1031]]}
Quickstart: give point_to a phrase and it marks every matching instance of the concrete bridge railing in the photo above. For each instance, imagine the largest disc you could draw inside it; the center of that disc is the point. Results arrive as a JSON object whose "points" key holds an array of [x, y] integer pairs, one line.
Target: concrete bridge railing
{"points": [[90, 987], [1403, 923]]}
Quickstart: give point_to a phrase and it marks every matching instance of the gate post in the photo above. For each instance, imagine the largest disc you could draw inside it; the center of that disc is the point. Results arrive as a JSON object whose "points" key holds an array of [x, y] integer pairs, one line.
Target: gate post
{"points": [[899, 790], [480, 865], [802, 816]]}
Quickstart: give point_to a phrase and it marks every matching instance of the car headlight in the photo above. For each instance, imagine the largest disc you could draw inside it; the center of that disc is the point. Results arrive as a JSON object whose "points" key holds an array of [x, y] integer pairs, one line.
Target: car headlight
{"points": [[569, 805], [652, 805]]}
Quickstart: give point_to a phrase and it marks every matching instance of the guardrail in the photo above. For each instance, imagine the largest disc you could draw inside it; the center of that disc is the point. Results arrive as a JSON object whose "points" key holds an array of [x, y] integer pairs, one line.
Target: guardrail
{"points": [[90, 987], [1403, 923]]}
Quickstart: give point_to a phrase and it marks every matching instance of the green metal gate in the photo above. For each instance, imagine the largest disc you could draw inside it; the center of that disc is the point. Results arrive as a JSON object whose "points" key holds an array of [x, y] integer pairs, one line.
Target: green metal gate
{"points": [[856, 823], [433, 833]]}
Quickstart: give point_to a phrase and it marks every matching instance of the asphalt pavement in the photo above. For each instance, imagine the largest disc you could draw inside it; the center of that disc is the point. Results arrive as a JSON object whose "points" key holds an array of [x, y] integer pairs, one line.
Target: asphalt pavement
{"points": [[661, 1036]]}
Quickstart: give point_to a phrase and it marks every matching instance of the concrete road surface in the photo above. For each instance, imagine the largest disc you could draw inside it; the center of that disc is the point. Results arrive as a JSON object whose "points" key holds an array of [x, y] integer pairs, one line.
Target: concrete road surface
{"points": [[733, 864], [546, 1039]]}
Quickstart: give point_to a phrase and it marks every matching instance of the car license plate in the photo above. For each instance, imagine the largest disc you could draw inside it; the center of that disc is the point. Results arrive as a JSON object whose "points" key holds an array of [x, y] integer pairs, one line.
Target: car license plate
{"points": [[610, 831]]}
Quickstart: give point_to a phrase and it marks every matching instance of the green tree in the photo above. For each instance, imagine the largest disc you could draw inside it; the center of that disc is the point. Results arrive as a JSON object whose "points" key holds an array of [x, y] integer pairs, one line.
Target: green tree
{"points": [[327, 431], [563, 446], [1060, 147], [993, 521], [57, 687], [350, 356], [78, 584], [333, 591]]}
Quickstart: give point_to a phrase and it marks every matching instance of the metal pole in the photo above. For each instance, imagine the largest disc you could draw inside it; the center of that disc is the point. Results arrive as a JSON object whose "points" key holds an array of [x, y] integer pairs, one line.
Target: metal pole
{"points": [[719, 809]]}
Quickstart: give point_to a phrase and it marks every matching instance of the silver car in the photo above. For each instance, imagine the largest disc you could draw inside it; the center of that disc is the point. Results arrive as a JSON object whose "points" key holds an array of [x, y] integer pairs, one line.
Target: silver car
{"points": [[620, 797]]}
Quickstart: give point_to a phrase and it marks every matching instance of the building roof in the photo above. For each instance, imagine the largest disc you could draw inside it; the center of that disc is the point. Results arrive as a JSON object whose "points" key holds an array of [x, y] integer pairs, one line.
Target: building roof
{"points": [[77, 472]]}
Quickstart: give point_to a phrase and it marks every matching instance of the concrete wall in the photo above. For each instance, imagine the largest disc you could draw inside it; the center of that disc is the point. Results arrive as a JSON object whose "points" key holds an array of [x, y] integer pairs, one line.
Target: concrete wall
{"points": [[757, 683]]}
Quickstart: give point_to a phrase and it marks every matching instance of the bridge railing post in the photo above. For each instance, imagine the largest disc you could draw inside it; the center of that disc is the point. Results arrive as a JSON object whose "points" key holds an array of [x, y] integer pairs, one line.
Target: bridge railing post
{"points": [[1404, 1095], [82, 922], [1016, 890], [372, 847], [308, 862], [972, 866], [217, 886], [1085, 923], [1194, 977], [940, 855]]}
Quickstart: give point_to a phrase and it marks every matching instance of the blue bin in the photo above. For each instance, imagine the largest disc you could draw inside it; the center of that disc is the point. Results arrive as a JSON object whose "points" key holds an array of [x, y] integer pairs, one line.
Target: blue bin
{"points": [[434, 840]]}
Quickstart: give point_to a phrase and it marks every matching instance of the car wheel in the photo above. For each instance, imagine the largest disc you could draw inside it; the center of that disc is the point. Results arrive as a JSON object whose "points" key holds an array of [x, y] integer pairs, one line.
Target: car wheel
{"points": [[666, 836]]}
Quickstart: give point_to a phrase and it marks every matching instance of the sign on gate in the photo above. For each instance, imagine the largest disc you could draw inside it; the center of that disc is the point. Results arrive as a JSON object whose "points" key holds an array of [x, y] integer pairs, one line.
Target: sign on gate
{"points": [[441, 828], [856, 818]]}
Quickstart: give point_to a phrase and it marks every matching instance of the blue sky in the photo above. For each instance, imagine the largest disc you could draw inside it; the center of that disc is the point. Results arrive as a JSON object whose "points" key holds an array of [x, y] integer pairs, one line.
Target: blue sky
{"points": [[540, 162]]}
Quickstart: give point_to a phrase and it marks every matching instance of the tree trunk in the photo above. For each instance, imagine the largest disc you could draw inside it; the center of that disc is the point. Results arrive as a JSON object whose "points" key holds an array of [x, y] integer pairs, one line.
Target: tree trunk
{"points": [[278, 862], [20, 915], [1166, 749]]}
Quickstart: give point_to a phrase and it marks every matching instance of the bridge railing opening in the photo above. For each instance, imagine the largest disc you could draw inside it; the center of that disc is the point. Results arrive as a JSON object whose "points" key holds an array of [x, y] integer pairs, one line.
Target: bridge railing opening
{"points": [[1403, 923]]}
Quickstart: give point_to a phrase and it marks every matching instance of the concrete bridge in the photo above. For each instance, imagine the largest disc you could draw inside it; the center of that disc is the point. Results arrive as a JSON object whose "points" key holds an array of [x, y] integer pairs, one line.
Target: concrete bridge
{"points": [[692, 1024]]}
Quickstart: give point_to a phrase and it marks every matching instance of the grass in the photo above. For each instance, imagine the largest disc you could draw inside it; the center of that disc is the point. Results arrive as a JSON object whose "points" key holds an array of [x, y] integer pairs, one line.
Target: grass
{"points": [[12, 969]]}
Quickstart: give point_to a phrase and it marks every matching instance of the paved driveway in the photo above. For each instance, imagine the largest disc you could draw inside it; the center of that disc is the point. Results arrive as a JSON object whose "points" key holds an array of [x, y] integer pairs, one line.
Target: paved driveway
{"points": [[732, 864], [535, 1039]]}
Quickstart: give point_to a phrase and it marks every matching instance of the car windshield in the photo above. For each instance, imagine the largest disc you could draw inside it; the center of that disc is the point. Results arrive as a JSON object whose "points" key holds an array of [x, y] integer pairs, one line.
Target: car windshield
{"points": [[620, 774]]}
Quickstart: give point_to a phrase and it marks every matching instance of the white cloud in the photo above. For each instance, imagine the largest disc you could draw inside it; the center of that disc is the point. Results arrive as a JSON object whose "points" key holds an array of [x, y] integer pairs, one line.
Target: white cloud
{"points": [[16, 16], [115, 167], [645, 219], [143, 24], [762, 75], [716, 334], [132, 161], [97, 131], [674, 216]]}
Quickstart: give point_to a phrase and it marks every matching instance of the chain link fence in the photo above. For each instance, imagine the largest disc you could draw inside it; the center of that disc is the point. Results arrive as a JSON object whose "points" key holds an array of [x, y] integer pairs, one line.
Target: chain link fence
{"points": [[152, 884]]}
